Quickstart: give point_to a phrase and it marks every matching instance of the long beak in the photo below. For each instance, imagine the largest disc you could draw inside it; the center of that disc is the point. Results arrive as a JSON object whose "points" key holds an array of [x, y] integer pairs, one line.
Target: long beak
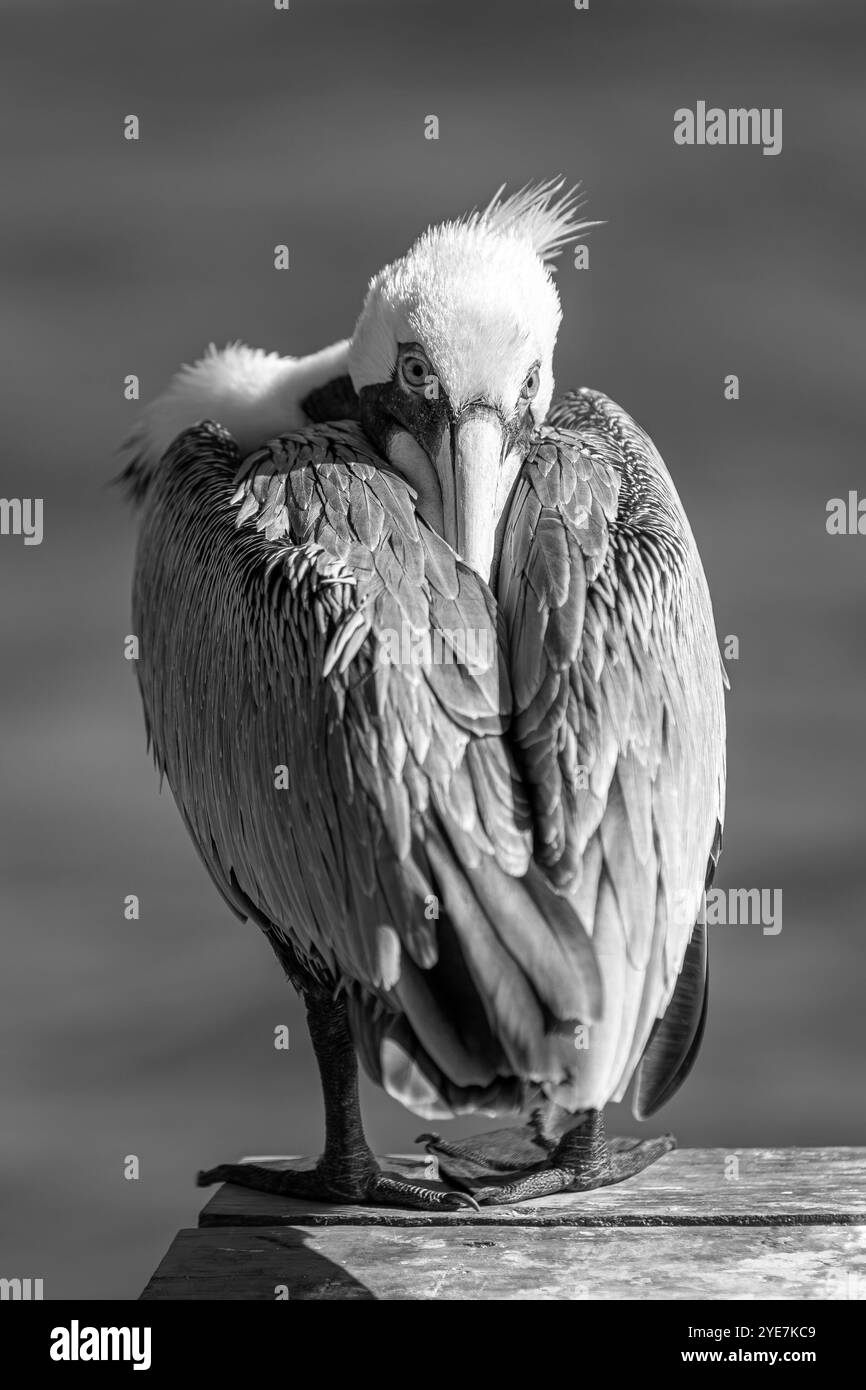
{"points": [[477, 451]]}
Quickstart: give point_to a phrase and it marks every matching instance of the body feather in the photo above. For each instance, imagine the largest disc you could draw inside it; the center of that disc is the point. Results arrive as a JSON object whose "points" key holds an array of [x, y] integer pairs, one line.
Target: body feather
{"points": [[402, 788], [481, 847]]}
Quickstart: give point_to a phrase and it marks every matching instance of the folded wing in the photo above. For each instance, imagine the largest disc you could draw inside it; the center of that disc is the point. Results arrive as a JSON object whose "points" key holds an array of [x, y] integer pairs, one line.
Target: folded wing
{"points": [[326, 694], [619, 730]]}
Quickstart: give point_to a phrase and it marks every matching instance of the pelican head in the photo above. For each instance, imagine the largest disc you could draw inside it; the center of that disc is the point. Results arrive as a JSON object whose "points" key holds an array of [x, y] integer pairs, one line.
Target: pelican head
{"points": [[452, 359]]}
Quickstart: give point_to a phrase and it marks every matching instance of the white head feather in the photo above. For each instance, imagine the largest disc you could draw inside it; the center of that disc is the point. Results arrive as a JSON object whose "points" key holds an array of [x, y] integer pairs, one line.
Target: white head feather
{"points": [[478, 296]]}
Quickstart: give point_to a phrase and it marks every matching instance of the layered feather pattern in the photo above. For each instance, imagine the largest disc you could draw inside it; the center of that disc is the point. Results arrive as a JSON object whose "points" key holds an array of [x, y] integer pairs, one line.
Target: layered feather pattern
{"points": [[486, 818], [335, 732], [619, 724]]}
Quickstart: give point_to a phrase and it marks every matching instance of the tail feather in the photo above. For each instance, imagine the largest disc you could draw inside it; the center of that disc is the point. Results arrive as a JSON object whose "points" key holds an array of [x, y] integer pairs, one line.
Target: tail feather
{"points": [[394, 1058], [489, 1026], [514, 1010]]}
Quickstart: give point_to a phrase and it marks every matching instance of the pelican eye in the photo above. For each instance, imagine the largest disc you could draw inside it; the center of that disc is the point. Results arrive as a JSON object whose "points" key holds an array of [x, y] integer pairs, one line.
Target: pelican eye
{"points": [[531, 384], [414, 371]]}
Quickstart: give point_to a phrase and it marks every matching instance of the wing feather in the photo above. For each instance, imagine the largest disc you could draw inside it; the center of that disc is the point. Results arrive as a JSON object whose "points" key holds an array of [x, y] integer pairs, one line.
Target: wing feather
{"points": [[619, 726], [363, 804]]}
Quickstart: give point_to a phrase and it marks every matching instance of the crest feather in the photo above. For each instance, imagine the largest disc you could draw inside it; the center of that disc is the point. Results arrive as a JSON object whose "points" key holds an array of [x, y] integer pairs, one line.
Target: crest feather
{"points": [[540, 213]]}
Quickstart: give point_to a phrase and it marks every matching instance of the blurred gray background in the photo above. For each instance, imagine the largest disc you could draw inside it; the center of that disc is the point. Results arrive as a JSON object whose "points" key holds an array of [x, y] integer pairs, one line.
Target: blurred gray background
{"points": [[155, 1038]]}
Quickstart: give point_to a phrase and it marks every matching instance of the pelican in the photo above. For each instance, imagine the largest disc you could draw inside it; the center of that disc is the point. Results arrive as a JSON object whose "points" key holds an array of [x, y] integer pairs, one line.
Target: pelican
{"points": [[429, 664]]}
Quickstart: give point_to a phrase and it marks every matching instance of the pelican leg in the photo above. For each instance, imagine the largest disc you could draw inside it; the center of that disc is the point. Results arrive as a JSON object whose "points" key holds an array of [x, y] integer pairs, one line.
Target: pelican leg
{"points": [[347, 1171], [583, 1158]]}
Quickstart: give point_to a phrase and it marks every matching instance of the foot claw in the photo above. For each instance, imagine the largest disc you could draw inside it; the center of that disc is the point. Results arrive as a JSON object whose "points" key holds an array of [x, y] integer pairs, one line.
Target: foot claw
{"points": [[393, 1190], [316, 1185], [462, 1199]]}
